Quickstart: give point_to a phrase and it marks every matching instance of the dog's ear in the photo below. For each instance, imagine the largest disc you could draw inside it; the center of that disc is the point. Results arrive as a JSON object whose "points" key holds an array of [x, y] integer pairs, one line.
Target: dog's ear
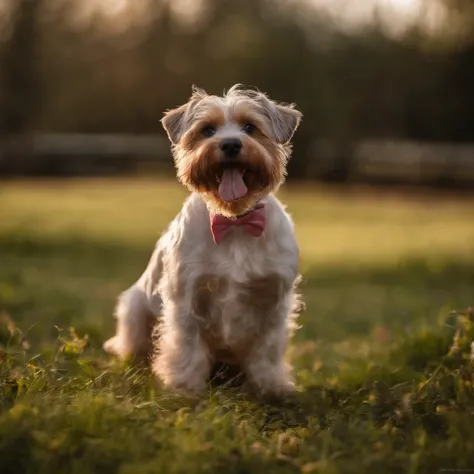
{"points": [[284, 120], [174, 121]]}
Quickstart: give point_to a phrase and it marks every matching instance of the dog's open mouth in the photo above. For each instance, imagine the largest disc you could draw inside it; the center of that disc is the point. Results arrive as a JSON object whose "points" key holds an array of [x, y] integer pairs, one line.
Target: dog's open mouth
{"points": [[231, 184]]}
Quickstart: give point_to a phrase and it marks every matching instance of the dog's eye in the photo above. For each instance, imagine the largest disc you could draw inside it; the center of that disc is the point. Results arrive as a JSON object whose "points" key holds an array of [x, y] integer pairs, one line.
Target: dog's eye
{"points": [[209, 131], [249, 128]]}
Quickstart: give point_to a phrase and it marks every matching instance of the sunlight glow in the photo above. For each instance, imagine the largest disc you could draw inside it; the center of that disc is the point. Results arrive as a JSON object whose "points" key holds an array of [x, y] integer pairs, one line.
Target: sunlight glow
{"points": [[395, 15], [405, 5]]}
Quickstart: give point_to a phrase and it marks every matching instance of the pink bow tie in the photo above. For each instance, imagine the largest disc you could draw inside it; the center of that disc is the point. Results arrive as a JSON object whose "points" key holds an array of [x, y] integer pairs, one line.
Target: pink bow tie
{"points": [[253, 222]]}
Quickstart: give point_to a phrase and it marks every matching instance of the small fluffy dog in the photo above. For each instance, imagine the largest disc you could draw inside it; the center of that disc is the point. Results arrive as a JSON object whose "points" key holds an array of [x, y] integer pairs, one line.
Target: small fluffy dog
{"points": [[220, 285]]}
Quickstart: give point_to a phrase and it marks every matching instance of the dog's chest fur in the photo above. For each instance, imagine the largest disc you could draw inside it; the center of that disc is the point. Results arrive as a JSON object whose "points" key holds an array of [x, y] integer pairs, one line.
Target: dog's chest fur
{"points": [[231, 290], [233, 301]]}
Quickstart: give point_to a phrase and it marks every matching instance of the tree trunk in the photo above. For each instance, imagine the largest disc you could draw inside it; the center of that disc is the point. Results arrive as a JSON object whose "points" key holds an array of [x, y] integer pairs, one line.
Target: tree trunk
{"points": [[20, 89]]}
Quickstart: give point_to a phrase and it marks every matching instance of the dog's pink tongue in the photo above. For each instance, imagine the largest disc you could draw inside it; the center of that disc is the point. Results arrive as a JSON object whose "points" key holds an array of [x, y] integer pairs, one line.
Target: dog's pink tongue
{"points": [[232, 185]]}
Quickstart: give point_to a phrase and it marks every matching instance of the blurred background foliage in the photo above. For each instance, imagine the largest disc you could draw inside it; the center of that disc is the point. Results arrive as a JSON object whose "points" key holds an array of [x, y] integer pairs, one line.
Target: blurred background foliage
{"points": [[89, 66]]}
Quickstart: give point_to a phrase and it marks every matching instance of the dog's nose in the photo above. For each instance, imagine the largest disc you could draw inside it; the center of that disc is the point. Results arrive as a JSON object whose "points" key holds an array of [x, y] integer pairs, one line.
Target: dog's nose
{"points": [[231, 147]]}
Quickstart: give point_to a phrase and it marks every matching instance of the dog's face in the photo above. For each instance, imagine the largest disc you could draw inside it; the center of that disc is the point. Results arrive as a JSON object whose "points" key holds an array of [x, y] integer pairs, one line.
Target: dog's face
{"points": [[233, 149]]}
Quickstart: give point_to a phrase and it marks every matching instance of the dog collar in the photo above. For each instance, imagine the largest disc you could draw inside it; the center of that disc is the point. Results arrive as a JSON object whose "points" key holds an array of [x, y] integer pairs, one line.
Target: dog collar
{"points": [[253, 222]]}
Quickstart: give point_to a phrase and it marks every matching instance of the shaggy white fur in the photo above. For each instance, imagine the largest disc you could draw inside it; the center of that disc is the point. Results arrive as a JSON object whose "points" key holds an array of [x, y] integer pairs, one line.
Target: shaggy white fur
{"points": [[199, 303]]}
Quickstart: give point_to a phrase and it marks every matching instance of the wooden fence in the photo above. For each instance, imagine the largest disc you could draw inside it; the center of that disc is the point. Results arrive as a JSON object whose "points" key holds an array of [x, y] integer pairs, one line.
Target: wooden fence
{"points": [[367, 160]]}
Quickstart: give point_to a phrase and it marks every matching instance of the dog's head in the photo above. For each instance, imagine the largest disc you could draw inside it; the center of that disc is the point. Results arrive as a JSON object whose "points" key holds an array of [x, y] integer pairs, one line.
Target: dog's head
{"points": [[233, 149]]}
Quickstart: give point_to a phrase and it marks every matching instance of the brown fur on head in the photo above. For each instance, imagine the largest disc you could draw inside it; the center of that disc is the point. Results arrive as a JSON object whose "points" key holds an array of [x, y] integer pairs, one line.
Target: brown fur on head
{"points": [[198, 129]]}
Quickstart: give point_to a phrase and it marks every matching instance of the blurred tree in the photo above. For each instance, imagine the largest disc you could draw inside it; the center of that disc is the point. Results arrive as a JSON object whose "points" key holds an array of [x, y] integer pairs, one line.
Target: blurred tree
{"points": [[459, 22], [20, 98]]}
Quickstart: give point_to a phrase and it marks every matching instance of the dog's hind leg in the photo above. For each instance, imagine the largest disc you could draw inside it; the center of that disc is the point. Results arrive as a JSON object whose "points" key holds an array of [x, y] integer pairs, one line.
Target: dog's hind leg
{"points": [[135, 322], [137, 313]]}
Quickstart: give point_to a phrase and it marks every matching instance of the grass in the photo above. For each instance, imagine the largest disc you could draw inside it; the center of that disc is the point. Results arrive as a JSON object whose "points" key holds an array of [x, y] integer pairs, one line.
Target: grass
{"points": [[387, 385]]}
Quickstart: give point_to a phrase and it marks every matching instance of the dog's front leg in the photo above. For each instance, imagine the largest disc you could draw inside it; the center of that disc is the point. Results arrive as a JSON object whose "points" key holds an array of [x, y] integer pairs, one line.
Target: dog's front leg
{"points": [[266, 367], [182, 360]]}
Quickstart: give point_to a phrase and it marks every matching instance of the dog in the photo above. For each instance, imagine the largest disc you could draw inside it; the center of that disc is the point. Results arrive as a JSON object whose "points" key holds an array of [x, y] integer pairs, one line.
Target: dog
{"points": [[221, 285]]}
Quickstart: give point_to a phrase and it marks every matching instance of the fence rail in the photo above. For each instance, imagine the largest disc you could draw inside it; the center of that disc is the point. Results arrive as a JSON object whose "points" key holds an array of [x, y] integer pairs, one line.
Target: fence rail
{"points": [[366, 160]]}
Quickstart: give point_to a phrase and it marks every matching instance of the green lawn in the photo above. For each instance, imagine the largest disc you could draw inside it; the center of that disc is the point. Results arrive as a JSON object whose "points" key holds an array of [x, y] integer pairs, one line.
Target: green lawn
{"points": [[380, 390]]}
